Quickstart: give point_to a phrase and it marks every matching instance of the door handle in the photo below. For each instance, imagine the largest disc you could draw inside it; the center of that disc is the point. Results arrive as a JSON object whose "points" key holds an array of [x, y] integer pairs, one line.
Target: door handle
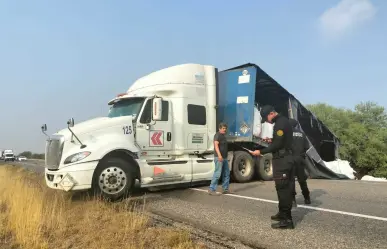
{"points": [[169, 136]]}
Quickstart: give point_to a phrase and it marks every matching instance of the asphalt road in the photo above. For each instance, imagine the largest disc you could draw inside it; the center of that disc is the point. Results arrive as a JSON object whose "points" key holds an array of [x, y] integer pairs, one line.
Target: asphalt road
{"points": [[343, 214]]}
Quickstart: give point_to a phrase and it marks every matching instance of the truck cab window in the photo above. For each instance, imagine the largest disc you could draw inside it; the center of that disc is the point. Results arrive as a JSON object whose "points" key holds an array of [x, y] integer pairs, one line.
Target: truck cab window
{"points": [[126, 107], [196, 114], [146, 116]]}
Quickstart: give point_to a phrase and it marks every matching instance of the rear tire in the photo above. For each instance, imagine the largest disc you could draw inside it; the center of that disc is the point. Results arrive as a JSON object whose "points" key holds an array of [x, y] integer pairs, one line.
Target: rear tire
{"points": [[243, 168], [265, 167], [113, 179]]}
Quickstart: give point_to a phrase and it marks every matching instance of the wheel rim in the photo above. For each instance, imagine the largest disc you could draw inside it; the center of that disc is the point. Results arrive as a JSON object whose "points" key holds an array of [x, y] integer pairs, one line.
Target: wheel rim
{"points": [[112, 180], [267, 167], [244, 167]]}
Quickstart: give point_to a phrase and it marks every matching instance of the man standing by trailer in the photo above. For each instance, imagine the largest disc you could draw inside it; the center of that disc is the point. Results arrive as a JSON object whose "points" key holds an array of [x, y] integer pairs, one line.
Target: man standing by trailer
{"points": [[283, 165], [300, 146], [220, 160]]}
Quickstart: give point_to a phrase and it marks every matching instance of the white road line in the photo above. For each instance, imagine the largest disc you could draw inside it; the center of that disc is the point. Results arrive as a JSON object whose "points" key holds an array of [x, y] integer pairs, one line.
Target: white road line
{"points": [[303, 206]]}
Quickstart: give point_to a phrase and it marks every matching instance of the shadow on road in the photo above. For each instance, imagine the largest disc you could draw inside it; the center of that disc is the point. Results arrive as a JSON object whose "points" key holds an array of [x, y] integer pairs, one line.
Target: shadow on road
{"points": [[300, 213], [176, 191], [247, 186]]}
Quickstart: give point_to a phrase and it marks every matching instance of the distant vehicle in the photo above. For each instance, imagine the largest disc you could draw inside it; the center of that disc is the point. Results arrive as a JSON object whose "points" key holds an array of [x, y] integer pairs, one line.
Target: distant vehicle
{"points": [[22, 158], [8, 155]]}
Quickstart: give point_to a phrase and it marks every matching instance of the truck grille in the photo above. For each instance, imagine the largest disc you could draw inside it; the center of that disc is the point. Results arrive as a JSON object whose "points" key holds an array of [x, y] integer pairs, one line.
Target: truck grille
{"points": [[54, 148]]}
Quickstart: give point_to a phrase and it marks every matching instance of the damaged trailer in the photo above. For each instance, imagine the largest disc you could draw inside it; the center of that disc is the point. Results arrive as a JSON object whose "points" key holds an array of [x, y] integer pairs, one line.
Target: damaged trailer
{"points": [[241, 87]]}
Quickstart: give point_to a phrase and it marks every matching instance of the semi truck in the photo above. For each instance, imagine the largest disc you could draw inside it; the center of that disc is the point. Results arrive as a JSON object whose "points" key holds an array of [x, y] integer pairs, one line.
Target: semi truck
{"points": [[160, 132]]}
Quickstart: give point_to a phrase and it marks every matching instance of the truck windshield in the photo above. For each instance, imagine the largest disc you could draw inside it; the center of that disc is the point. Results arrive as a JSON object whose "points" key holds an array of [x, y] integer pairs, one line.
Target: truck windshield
{"points": [[126, 107]]}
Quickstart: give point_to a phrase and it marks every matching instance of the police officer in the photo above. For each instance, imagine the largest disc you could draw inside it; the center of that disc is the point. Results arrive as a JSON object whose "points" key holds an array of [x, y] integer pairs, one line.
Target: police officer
{"points": [[300, 146], [283, 165]]}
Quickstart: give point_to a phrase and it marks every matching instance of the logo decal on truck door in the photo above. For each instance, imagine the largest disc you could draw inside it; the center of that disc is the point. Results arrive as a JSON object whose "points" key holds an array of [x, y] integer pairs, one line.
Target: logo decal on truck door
{"points": [[156, 138], [197, 138]]}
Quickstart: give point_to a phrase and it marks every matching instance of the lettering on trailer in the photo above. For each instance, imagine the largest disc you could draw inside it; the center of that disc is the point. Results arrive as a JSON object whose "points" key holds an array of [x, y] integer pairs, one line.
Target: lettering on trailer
{"points": [[199, 77], [156, 138]]}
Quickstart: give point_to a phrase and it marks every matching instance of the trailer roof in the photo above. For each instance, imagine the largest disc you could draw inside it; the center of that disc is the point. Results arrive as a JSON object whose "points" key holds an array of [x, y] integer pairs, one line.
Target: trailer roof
{"points": [[269, 84]]}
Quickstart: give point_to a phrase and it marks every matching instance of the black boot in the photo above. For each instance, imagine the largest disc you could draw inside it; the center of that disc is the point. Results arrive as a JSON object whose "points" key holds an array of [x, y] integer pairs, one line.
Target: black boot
{"points": [[307, 200], [276, 217], [283, 224]]}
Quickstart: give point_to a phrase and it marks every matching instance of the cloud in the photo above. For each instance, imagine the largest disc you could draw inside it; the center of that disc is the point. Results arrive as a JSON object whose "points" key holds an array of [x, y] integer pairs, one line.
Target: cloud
{"points": [[345, 17]]}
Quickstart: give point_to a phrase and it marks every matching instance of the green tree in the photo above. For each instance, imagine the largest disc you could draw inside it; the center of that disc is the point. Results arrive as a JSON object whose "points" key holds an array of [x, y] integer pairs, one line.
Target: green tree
{"points": [[27, 154], [37, 156], [371, 115], [362, 133]]}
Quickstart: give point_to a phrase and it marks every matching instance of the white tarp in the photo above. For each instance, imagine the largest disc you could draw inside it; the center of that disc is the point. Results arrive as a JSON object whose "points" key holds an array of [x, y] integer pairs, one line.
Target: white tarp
{"points": [[257, 123], [374, 179], [341, 167], [264, 130], [267, 130]]}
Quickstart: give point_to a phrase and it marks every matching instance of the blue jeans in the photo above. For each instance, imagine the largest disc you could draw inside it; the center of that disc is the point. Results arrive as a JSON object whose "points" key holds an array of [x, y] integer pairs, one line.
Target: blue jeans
{"points": [[219, 167]]}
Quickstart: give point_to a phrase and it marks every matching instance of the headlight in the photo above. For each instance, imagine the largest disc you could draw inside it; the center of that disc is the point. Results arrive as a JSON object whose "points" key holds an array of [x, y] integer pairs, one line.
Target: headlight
{"points": [[77, 157]]}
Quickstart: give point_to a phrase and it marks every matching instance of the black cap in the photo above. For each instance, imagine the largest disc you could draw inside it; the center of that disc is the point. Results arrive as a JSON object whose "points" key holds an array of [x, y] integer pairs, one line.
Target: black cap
{"points": [[266, 110]]}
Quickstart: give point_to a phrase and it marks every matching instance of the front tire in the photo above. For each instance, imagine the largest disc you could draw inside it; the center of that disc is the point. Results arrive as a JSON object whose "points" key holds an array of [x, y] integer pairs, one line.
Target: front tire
{"points": [[113, 179], [243, 169]]}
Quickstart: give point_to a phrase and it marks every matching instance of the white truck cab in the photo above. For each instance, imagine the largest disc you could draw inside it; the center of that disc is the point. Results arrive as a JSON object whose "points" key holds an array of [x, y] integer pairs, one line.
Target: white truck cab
{"points": [[159, 132], [8, 155]]}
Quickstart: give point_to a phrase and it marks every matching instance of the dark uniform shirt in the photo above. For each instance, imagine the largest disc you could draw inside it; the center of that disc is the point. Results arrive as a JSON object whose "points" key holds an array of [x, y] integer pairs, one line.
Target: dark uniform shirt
{"points": [[282, 135], [223, 146], [300, 143]]}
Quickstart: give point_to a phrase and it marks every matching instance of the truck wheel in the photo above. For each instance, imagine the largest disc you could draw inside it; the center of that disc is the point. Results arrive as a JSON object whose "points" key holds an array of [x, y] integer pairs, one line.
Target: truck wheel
{"points": [[265, 167], [243, 168], [113, 179]]}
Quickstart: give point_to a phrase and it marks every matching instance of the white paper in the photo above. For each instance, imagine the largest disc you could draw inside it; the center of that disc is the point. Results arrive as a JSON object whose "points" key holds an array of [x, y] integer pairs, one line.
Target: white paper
{"points": [[244, 79], [242, 99]]}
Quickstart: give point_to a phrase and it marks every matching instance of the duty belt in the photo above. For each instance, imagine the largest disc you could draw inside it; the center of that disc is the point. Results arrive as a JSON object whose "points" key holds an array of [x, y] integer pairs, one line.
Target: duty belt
{"points": [[282, 152]]}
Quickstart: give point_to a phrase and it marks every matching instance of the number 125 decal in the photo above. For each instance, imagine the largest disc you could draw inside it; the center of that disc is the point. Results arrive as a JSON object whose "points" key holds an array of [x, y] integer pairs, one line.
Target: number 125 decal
{"points": [[127, 129]]}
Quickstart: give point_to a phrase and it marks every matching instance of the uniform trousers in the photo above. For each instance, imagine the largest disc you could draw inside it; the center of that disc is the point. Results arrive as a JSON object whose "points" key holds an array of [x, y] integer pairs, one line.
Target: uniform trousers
{"points": [[301, 176], [283, 175]]}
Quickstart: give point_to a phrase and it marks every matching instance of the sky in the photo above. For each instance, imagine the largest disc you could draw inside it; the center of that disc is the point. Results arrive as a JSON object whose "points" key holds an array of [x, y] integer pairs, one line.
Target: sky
{"points": [[63, 59]]}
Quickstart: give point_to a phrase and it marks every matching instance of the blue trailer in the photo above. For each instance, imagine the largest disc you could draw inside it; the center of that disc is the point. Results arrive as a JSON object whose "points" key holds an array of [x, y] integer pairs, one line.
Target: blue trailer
{"points": [[241, 88]]}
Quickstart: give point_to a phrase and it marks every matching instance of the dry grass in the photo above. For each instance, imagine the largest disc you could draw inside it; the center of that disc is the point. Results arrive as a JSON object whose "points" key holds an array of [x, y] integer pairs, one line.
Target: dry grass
{"points": [[34, 216]]}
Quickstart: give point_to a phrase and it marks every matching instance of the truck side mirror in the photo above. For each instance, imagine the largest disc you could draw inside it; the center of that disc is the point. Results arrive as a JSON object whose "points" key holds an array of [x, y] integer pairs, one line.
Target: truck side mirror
{"points": [[70, 123], [157, 109], [44, 129]]}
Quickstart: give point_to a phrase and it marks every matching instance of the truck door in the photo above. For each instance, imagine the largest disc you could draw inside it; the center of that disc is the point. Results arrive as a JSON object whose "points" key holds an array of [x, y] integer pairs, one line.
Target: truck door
{"points": [[155, 135]]}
